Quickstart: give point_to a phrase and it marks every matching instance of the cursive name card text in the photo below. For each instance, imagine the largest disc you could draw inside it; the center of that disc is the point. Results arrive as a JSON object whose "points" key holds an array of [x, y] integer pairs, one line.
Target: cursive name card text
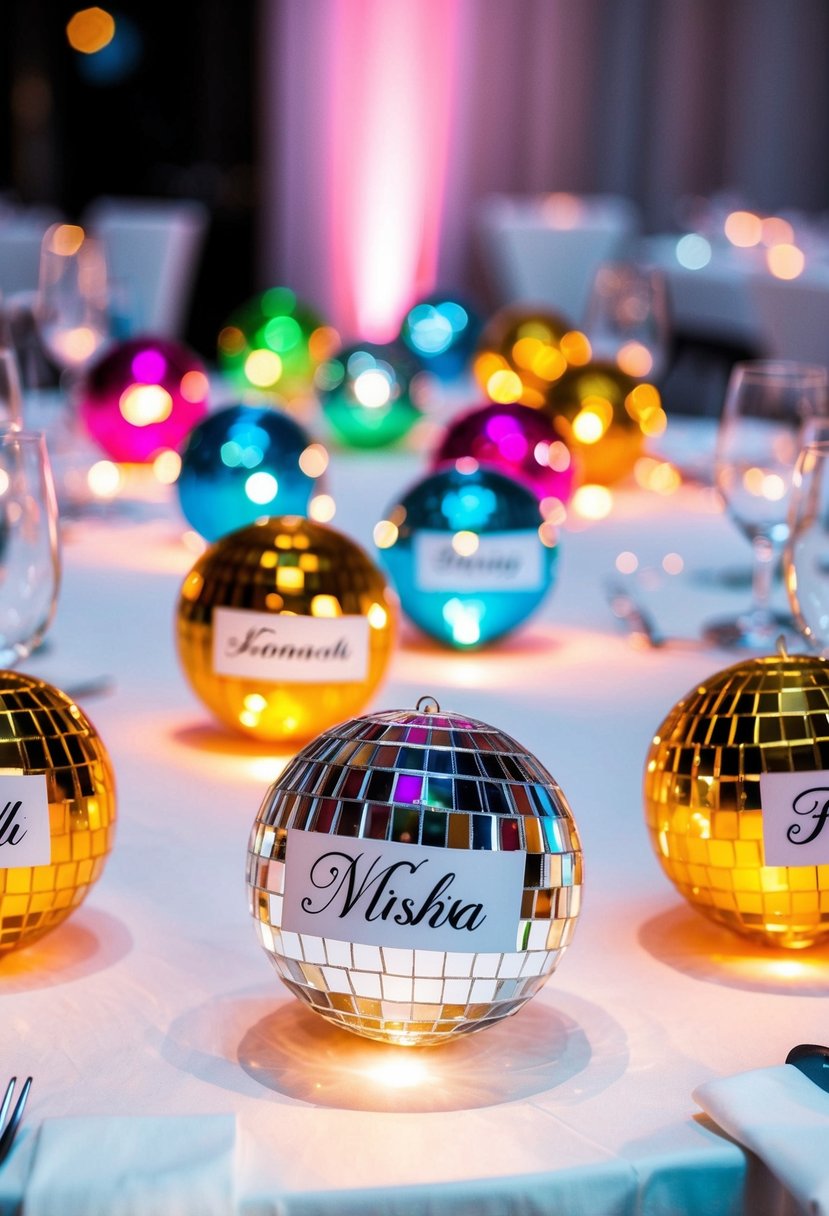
{"points": [[381, 893], [25, 839], [795, 818], [296, 649], [502, 561]]}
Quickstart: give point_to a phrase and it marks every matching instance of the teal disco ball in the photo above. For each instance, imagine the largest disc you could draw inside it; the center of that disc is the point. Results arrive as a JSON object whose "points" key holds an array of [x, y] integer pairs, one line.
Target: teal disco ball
{"points": [[469, 553], [442, 331], [369, 393], [243, 462]]}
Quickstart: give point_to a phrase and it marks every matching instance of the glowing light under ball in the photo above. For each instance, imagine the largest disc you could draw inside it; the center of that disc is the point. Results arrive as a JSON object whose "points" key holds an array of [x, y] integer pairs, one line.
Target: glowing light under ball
{"points": [[369, 393], [469, 553], [442, 333], [143, 397], [604, 415], [243, 462], [517, 441], [275, 342]]}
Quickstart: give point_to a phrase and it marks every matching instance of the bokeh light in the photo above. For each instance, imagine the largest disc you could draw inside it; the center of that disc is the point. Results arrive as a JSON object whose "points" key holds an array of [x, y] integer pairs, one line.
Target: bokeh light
{"points": [[592, 502], [743, 229], [90, 30], [777, 231], [693, 251], [785, 261], [109, 49]]}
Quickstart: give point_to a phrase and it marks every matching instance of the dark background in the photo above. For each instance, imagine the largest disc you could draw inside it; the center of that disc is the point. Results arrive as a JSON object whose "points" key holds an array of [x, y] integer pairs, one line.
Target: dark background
{"points": [[176, 119]]}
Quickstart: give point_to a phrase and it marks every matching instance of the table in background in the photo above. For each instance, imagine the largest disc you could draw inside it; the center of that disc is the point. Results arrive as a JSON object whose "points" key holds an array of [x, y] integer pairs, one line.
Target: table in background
{"points": [[155, 998]]}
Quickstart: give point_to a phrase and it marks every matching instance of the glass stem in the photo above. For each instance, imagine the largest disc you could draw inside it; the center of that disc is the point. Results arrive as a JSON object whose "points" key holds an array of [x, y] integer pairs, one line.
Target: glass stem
{"points": [[762, 576]]}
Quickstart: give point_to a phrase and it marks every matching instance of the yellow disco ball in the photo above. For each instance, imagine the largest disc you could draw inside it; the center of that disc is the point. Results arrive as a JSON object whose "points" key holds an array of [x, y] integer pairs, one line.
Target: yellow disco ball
{"points": [[57, 794], [415, 875], [732, 798], [285, 627], [522, 351], [603, 416]]}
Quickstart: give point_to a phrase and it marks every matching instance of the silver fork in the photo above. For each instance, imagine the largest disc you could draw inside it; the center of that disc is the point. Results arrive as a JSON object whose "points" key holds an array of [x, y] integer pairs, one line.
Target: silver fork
{"points": [[9, 1131]]}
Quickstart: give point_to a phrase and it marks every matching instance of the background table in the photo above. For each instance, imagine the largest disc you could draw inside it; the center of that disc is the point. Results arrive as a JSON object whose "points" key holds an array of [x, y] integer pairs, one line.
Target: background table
{"points": [[155, 998]]}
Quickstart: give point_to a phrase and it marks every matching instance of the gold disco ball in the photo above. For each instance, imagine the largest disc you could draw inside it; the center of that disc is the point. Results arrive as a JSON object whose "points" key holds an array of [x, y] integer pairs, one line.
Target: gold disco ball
{"points": [[603, 415], [57, 789], [715, 820], [414, 875], [285, 627], [522, 351]]}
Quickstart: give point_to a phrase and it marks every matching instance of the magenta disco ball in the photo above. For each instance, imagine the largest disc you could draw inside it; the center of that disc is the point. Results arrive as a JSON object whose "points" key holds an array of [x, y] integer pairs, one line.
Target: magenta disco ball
{"points": [[516, 440], [143, 396]]}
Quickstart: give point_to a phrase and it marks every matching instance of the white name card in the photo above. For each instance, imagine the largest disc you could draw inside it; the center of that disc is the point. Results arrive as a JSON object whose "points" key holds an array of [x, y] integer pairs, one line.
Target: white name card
{"points": [[380, 893], [795, 809], [296, 649], [25, 839], [503, 561]]}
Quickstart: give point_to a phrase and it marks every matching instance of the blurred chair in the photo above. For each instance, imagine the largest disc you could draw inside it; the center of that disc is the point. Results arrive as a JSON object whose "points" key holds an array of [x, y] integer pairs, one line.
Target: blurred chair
{"points": [[709, 300], [153, 248], [793, 315], [21, 232], [546, 249]]}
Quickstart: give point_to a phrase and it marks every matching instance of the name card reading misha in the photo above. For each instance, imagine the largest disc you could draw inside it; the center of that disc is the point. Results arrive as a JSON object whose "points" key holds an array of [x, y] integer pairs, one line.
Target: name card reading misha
{"points": [[25, 839], [297, 649], [497, 561], [795, 808], [379, 893]]}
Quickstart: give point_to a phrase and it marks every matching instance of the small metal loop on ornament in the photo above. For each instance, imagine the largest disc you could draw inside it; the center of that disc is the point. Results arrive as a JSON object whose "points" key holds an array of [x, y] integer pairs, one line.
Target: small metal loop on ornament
{"points": [[781, 646], [428, 705]]}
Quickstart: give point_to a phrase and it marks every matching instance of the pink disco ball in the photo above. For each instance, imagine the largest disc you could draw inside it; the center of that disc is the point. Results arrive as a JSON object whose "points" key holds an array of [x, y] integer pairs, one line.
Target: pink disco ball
{"points": [[516, 440], [143, 396]]}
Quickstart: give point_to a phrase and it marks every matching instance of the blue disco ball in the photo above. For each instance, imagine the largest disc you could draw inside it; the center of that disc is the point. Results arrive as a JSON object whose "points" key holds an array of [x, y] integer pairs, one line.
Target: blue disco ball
{"points": [[442, 331], [243, 462], [469, 552]]}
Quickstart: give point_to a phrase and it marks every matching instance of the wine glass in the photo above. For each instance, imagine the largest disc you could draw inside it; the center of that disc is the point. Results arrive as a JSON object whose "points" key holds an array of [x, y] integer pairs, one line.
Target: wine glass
{"points": [[806, 555], [73, 323], [11, 395], [768, 406], [72, 303], [627, 318], [29, 544]]}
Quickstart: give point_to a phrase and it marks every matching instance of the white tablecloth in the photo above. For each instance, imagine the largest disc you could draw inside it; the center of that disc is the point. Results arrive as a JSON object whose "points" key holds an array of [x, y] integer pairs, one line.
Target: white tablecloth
{"points": [[155, 998]]}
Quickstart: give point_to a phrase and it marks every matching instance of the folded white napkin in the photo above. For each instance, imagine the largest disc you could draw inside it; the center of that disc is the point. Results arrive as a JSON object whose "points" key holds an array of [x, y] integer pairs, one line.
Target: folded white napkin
{"points": [[133, 1166], [783, 1117]]}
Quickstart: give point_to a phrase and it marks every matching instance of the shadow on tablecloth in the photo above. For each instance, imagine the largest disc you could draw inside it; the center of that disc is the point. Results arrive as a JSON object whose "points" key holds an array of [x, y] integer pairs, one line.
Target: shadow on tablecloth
{"points": [[684, 940]]}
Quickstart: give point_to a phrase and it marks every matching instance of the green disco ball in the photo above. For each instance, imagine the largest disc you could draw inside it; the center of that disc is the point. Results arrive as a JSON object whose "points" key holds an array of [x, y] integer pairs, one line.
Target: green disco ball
{"points": [[369, 393], [275, 342]]}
